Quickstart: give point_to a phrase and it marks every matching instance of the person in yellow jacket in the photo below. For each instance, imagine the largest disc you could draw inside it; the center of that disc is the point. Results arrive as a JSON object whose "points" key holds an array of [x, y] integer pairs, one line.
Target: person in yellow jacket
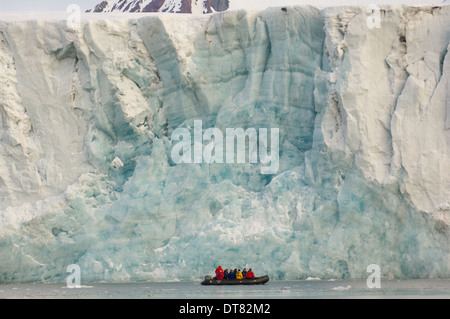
{"points": [[239, 275]]}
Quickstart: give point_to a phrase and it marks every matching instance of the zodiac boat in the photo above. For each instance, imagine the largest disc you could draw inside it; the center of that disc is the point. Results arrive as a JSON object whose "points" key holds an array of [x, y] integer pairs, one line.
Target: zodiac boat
{"points": [[209, 281]]}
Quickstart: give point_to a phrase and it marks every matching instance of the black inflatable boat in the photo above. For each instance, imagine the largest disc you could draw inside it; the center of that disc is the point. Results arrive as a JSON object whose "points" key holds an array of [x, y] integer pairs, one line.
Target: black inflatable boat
{"points": [[209, 281]]}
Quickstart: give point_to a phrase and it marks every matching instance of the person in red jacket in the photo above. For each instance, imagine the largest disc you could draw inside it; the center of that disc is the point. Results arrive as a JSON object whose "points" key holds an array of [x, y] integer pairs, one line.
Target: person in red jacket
{"points": [[219, 273], [250, 274]]}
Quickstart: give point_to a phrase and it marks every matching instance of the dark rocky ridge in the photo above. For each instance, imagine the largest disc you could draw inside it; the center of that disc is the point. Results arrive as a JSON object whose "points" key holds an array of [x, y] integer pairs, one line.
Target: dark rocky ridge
{"points": [[159, 6]]}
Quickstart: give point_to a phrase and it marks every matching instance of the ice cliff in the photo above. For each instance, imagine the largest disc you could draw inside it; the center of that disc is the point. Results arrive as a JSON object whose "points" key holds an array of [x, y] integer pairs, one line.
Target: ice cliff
{"points": [[86, 116]]}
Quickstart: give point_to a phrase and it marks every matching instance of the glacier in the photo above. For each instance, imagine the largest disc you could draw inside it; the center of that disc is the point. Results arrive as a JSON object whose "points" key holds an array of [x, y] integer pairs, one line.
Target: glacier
{"points": [[86, 116]]}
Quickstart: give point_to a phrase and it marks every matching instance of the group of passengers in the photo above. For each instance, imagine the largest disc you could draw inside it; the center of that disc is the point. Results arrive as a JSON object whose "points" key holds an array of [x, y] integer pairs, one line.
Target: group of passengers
{"points": [[234, 274]]}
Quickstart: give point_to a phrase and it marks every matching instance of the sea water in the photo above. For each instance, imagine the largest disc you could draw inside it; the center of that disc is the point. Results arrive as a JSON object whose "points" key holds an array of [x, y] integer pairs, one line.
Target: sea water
{"points": [[308, 289]]}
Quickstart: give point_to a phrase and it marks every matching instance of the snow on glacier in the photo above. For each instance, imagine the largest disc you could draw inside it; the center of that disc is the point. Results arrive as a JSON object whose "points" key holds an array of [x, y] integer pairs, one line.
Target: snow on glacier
{"points": [[86, 116]]}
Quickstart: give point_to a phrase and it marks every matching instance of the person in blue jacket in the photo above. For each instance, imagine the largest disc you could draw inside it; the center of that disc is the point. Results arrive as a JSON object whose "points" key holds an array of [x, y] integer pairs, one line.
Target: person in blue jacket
{"points": [[232, 274]]}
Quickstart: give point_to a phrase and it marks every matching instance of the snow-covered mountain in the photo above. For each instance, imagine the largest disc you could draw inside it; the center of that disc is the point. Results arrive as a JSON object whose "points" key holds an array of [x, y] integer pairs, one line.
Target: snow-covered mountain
{"points": [[173, 6]]}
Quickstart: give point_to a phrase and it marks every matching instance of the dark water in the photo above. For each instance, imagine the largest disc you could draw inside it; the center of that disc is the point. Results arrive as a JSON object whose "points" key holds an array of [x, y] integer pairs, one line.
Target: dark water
{"points": [[318, 289]]}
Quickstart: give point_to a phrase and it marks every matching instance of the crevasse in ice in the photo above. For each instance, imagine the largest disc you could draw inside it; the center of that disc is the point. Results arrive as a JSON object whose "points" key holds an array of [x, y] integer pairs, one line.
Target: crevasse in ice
{"points": [[86, 175]]}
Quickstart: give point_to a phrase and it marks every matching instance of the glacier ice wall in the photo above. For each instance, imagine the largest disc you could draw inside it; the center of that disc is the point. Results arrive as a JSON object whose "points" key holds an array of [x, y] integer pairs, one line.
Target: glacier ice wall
{"points": [[86, 116]]}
